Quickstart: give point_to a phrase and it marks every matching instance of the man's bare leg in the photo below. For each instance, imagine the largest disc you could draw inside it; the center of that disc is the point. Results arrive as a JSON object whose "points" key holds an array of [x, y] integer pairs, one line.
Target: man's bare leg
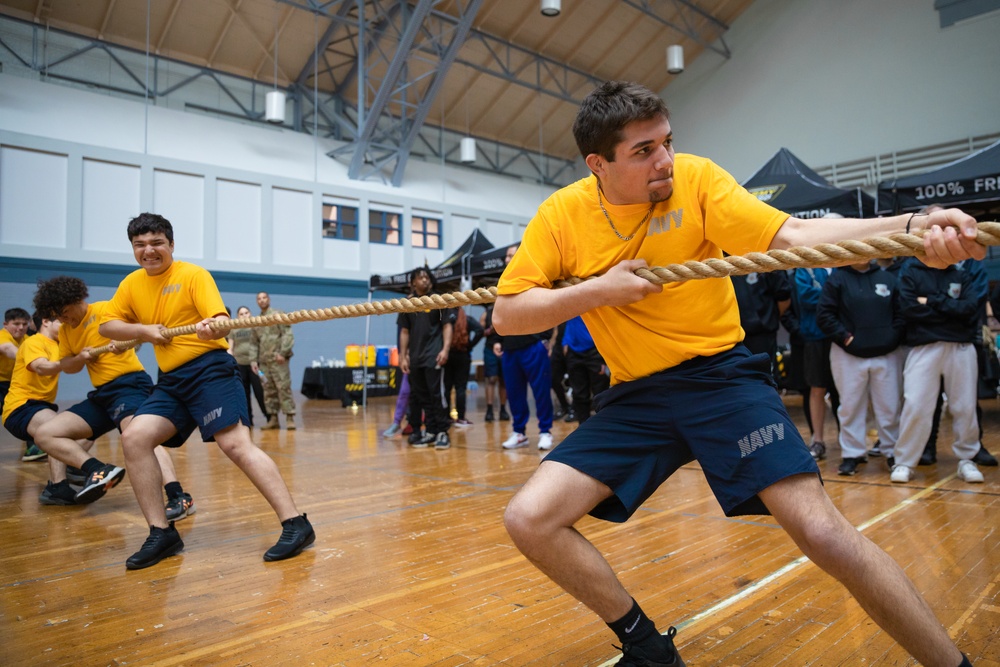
{"points": [[817, 411], [140, 436], [235, 442], [540, 520], [875, 580], [61, 437], [167, 471]]}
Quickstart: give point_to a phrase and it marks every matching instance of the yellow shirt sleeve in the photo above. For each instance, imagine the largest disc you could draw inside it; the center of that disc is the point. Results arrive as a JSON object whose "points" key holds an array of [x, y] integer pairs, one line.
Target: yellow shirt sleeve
{"points": [[6, 363]]}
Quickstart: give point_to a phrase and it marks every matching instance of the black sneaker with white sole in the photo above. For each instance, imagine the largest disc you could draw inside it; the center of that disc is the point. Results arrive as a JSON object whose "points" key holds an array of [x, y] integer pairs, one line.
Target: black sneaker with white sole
{"points": [[98, 483], [180, 507]]}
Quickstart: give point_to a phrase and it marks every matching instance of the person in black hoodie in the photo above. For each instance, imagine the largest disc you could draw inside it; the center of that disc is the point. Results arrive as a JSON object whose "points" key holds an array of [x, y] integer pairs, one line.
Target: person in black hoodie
{"points": [[940, 308], [762, 298], [857, 310]]}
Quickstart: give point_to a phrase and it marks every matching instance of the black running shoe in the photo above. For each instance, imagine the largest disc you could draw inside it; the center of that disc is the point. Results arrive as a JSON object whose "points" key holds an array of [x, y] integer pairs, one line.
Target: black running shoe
{"points": [[504, 415], [984, 458], [648, 655], [442, 441], [489, 414], [416, 437], [423, 441], [849, 465], [162, 542], [180, 507], [57, 494], [296, 535], [98, 483]]}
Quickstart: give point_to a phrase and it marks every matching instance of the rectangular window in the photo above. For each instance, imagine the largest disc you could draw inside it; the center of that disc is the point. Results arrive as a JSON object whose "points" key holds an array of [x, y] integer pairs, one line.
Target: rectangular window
{"points": [[383, 227], [340, 222], [426, 232]]}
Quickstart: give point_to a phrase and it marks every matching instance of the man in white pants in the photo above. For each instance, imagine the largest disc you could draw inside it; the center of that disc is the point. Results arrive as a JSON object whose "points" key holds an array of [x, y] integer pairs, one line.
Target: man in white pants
{"points": [[940, 309], [857, 310]]}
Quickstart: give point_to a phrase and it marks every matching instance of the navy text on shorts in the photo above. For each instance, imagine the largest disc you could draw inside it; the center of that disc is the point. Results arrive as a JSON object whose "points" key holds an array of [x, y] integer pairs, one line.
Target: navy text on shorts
{"points": [[205, 391], [722, 411]]}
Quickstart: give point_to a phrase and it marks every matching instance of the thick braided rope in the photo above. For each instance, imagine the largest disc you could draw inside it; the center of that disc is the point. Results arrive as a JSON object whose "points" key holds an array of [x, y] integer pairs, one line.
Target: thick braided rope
{"points": [[825, 254]]}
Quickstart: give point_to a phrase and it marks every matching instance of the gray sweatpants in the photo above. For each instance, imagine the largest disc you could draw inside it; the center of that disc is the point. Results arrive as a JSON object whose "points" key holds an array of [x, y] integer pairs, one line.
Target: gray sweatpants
{"points": [[925, 366], [858, 380]]}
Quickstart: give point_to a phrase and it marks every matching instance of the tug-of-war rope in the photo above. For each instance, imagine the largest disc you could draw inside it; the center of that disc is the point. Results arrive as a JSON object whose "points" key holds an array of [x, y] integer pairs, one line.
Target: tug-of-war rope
{"points": [[822, 255]]}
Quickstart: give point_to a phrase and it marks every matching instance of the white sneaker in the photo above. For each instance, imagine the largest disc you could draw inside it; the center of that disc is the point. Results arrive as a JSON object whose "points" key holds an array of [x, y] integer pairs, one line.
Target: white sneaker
{"points": [[515, 441], [968, 471], [545, 441], [901, 474]]}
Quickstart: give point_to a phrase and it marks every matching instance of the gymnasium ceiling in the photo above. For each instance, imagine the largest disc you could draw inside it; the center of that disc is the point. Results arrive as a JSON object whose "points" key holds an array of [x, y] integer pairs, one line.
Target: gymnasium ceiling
{"points": [[512, 76]]}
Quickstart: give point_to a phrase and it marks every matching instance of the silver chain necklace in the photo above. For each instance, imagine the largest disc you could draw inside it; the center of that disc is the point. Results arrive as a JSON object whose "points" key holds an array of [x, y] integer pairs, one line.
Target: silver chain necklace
{"points": [[607, 217]]}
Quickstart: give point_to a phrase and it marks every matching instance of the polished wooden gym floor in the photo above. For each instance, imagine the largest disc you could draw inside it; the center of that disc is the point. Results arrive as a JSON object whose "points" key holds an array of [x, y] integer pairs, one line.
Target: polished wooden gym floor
{"points": [[412, 565]]}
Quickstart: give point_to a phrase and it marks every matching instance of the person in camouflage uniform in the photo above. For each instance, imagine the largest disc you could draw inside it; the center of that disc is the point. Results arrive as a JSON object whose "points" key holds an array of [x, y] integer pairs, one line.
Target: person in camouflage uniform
{"points": [[272, 348]]}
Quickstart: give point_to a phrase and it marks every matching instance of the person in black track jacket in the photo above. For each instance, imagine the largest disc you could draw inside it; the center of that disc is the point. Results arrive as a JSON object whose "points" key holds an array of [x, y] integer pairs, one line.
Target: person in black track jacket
{"points": [[857, 310], [941, 308]]}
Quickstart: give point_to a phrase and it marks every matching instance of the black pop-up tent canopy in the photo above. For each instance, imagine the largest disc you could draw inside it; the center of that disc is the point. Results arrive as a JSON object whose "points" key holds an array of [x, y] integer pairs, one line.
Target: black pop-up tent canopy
{"points": [[972, 183], [786, 183], [486, 267], [448, 273]]}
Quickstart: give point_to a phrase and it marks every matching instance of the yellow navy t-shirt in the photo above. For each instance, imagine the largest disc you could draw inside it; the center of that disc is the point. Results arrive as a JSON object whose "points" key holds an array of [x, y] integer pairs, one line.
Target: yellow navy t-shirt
{"points": [[707, 213], [106, 367], [183, 294], [27, 385]]}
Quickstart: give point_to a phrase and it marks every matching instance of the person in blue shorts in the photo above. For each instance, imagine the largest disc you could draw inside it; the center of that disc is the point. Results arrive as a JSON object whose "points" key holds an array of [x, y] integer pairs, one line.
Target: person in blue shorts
{"points": [[121, 385], [198, 383], [684, 388]]}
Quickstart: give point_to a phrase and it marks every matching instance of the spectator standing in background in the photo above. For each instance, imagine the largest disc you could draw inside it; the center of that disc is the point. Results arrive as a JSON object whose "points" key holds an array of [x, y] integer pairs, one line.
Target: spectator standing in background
{"points": [[588, 375], [466, 332], [762, 298], [273, 346], [424, 346], [492, 368], [940, 308], [857, 310], [241, 345]]}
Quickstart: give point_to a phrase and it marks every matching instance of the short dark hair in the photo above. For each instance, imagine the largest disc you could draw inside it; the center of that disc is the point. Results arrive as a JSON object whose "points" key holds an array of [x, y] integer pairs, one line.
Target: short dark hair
{"points": [[16, 314], [150, 223], [36, 319], [606, 111], [422, 269], [55, 294]]}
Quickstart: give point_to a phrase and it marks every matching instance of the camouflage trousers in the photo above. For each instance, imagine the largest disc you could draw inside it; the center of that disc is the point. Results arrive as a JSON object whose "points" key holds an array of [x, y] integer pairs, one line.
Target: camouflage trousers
{"points": [[277, 388]]}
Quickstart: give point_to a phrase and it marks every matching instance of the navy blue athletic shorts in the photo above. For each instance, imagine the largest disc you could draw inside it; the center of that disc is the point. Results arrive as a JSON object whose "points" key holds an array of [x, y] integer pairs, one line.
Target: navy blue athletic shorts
{"points": [[722, 411], [491, 363], [107, 405], [205, 392], [17, 421]]}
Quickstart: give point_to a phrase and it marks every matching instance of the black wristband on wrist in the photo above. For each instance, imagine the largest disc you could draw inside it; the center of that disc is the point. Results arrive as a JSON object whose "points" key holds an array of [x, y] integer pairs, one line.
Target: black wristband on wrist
{"points": [[910, 219]]}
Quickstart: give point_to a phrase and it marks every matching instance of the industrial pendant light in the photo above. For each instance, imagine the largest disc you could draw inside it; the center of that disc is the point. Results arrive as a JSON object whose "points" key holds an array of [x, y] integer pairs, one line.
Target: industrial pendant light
{"points": [[675, 58], [274, 101]]}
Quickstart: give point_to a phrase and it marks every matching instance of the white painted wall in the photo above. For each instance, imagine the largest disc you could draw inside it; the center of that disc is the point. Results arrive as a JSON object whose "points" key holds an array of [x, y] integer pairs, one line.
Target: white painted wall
{"points": [[75, 166], [836, 80]]}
